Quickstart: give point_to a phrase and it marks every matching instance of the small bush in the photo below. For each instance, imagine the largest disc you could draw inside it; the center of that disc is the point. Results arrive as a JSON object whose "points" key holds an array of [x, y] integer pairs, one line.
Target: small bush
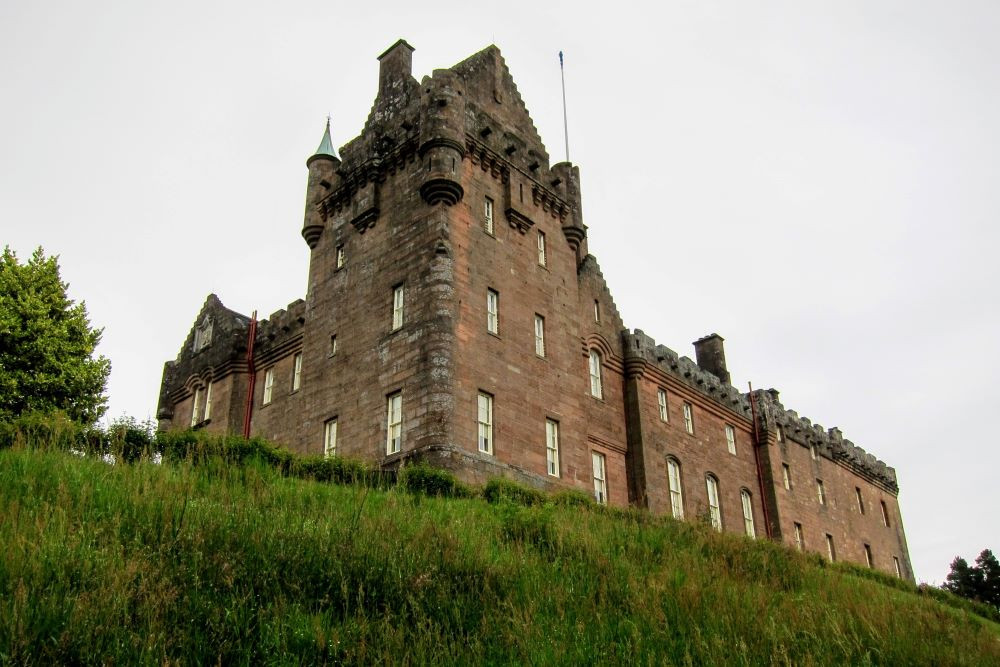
{"points": [[574, 498], [425, 479], [334, 469], [498, 490], [41, 430]]}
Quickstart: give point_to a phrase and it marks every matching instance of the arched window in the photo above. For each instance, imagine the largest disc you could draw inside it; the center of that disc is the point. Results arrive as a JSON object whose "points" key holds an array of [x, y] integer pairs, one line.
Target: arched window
{"points": [[595, 374], [676, 495], [747, 513], [714, 511]]}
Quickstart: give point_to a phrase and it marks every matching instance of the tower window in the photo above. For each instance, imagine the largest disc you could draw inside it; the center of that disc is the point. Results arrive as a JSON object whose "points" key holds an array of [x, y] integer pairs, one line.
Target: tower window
{"points": [[800, 542], [485, 420], [661, 404], [397, 307], [552, 447], [268, 384], [333, 344], [885, 513], [488, 215], [394, 423], [747, 513], [341, 256], [600, 478], [786, 476], [297, 372], [731, 439], [861, 502], [895, 565], [868, 556], [208, 402], [539, 335], [542, 259], [597, 311], [330, 438], [676, 494], [830, 551], [596, 389], [812, 452], [780, 433], [492, 308], [714, 511], [688, 418], [195, 416], [820, 492]]}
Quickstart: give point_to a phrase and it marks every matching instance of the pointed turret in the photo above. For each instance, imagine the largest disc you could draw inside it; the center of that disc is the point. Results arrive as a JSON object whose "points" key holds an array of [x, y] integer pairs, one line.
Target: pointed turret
{"points": [[323, 165], [325, 149]]}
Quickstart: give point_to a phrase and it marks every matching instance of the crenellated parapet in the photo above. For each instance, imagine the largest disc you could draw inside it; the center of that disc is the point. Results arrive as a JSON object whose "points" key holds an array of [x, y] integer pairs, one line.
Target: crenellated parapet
{"points": [[281, 333], [829, 443], [642, 353]]}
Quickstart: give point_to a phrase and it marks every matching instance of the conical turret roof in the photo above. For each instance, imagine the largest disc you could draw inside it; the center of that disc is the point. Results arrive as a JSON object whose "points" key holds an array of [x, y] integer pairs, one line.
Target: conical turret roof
{"points": [[325, 149]]}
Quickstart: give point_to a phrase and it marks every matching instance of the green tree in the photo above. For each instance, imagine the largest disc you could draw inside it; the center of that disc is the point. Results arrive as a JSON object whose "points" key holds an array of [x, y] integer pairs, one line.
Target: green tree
{"points": [[46, 344], [961, 580], [977, 582], [989, 566]]}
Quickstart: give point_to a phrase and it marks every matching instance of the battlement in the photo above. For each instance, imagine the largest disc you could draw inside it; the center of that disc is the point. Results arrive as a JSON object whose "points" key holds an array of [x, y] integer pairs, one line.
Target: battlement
{"points": [[641, 348], [829, 443]]}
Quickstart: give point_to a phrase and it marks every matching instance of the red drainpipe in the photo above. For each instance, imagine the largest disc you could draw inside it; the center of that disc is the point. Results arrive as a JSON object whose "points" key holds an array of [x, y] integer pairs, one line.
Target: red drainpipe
{"points": [[756, 457], [248, 411]]}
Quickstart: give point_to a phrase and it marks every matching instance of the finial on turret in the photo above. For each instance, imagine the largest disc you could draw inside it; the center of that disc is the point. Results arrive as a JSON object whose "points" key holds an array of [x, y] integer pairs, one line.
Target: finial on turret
{"points": [[325, 149]]}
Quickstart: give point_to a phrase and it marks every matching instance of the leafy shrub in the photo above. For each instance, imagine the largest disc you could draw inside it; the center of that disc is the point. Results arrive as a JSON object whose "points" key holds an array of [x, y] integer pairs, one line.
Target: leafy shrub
{"points": [[499, 489], [131, 439], [41, 430], [333, 469], [574, 498], [424, 478]]}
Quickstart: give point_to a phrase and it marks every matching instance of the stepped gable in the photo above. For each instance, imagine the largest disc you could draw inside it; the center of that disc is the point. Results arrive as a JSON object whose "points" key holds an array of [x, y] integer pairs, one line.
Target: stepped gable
{"points": [[221, 334], [590, 266], [829, 443], [641, 348], [279, 332], [492, 98]]}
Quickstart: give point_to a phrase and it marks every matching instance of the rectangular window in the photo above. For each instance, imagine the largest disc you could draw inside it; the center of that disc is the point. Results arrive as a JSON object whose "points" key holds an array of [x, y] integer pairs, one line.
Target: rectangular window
{"points": [[861, 502], [539, 335], [868, 556], [780, 434], [688, 419], [542, 260], [786, 476], [812, 452], [747, 514], [488, 215], [597, 311], [208, 402], [394, 423], [661, 404], [195, 411], [330, 438], [492, 308], [800, 542], [820, 492], [676, 495], [268, 384], [333, 344], [397, 307], [830, 552], [895, 565], [714, 512], [552, 447], [600, 478], [485, 420], [596, 388], [341, 256], [885, 510], [731, 439], [297, 372]]}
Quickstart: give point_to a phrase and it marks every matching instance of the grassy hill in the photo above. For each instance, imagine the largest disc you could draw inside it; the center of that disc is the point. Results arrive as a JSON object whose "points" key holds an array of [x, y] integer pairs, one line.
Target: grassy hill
{"points": [[212, 562]]}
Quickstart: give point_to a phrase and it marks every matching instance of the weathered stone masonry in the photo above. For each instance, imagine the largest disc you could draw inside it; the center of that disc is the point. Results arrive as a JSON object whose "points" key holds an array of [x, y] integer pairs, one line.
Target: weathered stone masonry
{"points": [[402, 215]]}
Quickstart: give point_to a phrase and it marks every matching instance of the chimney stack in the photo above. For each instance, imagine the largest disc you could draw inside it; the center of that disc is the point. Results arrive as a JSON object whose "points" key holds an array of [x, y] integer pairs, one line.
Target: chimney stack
{"points": [[395, 67], [710, 356]]}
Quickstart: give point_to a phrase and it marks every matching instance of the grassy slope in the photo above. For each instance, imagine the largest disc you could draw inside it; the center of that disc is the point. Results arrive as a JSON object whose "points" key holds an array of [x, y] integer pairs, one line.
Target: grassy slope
{"points": [[152, 563]]}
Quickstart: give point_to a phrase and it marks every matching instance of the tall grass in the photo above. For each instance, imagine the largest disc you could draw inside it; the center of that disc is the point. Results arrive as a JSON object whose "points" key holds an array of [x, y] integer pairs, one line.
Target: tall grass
{"points": [[211, 562]]}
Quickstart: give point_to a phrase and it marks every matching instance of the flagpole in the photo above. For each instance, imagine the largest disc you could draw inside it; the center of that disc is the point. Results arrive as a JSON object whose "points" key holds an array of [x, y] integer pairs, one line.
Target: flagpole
{"points": [[562, 75]]}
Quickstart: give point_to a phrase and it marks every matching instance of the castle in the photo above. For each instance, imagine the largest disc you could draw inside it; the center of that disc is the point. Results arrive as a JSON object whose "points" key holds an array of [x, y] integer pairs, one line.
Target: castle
{"points": [[454, 314]]}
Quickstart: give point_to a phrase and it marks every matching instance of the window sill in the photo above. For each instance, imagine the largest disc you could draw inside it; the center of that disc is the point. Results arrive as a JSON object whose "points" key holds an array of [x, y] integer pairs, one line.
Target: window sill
{"points": [[495, 335]]}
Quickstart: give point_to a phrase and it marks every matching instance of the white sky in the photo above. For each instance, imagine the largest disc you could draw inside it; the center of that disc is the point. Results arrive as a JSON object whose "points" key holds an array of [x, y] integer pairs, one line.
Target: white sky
{"points": [[816, 181]]}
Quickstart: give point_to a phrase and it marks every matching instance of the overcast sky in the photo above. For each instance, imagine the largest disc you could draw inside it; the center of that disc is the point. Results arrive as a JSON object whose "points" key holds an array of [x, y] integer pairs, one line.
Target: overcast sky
{"points": [[815, 181]]}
